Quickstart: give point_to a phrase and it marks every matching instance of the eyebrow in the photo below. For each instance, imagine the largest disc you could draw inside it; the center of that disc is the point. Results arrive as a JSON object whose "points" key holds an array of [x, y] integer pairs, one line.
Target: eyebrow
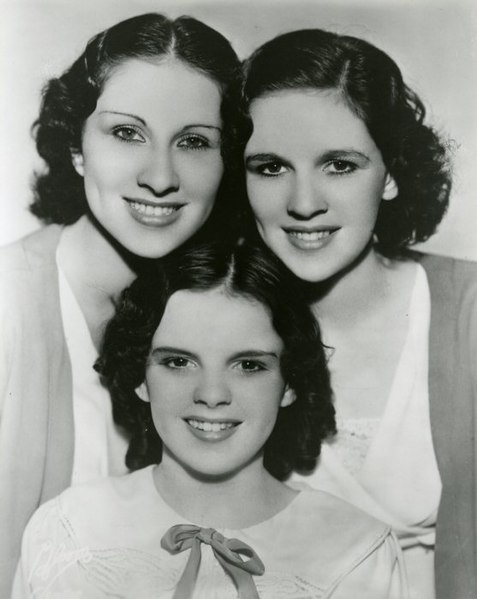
{"points": [[256, 353], [194, 126], [330, 155], [128, 114], [172, 350], [263, 158], [141, 120], [344, 153]]}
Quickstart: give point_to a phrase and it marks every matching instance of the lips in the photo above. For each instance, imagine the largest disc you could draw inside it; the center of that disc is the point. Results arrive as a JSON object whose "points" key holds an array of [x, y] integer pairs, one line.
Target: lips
{"points": [[152, 210], [153, 214], [212, 430], [310, 239], [208, 426]]}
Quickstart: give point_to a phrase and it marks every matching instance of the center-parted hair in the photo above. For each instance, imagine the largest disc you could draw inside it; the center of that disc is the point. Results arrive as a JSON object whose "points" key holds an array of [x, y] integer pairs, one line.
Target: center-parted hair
{"points": [[371, 85], [67, 102], [241, 270]]}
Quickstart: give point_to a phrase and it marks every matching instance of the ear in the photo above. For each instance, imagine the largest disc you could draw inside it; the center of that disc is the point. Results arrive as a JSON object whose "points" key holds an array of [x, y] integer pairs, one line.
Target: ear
{"points": [[390, 188], [78, 162], [288, 398], [142, 392]]}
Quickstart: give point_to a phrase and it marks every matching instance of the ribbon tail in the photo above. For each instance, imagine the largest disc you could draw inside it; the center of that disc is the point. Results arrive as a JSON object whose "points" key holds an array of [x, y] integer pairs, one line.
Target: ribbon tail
{"points": [[242, 580], [185, 586]]}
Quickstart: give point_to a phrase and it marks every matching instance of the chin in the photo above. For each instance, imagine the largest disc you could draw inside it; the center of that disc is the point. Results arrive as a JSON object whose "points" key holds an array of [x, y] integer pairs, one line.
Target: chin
{"points": [[212, 475]]}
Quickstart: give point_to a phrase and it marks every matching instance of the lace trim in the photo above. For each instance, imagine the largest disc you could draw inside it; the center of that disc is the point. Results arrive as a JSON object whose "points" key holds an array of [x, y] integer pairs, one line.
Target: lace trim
{"points": [[132, 574], [353, 441]]}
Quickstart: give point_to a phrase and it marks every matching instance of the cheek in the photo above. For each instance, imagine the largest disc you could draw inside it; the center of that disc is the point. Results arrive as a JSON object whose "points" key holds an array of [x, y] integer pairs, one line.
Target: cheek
{"points": [[267, 201], [168, 393], [262, 398], [201, 175], [106, 169]]}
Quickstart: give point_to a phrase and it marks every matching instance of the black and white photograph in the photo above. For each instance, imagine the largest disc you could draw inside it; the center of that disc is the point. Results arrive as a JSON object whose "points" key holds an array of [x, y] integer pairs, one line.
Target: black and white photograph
{"points": [[238, 299]]}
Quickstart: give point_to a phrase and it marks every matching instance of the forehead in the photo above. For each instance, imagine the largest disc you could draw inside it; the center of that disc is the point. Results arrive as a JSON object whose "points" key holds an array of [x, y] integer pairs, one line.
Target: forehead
{"points": [[319, 115], [213, 318], [165, 84]]}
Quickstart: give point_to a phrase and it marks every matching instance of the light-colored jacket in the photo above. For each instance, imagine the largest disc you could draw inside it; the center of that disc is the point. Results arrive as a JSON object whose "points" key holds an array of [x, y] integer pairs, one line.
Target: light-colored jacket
{"points": [[36, 407]]}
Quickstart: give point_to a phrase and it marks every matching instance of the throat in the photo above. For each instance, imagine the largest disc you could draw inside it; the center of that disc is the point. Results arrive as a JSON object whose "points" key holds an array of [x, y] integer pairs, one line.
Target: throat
{"points": [[96, 273], [233, 503]]}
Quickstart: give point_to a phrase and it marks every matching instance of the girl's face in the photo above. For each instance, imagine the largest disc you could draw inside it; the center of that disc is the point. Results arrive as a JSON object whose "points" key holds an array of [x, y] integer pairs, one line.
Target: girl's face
{"points": [[315, 180], [151, 158], [214, 382]]}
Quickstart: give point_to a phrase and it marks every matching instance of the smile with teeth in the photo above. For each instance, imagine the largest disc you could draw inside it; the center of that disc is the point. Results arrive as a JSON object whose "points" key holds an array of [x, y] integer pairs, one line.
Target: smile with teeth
{"points": [[149, 210], [210, 427], [310, 235]]}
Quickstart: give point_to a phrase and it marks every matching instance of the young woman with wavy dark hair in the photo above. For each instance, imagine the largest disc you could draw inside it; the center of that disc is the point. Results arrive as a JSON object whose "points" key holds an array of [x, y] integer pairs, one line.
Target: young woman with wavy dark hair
{"points": [[344, 175], [215, 366], [137, 137]]}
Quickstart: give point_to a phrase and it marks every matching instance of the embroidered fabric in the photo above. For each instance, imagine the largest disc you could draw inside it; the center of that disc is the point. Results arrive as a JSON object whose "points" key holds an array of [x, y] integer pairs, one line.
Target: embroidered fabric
{"points": [[353, 440]]}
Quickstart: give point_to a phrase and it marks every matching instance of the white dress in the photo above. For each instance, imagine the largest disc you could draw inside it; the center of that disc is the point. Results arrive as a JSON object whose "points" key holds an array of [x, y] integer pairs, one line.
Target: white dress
{"points": [[395, 478], [104, 540], [100, 446]]}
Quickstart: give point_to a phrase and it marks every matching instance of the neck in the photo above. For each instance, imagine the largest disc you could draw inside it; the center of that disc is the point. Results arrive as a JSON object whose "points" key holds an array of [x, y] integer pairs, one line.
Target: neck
{"points": [[353, 293], [238, 501], [94, 261], [97, 269]]}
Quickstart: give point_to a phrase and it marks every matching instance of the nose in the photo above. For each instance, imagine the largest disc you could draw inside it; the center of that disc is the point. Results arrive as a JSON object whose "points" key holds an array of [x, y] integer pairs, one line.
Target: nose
{"points": [[158, 173], [212, 391], [306, 199]]}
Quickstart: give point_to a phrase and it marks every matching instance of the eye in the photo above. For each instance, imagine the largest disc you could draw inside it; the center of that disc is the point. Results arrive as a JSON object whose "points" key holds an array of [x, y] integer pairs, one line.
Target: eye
{"points": [[341, 167], [193, 142], [270, 169], [250, 366], [128, 134], [177, 363]]}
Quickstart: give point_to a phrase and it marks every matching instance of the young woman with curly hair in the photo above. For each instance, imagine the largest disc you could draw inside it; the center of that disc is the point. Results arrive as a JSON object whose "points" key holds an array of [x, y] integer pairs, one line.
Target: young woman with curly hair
{"points": [[215, 364], [343, 176], [137, 140]]}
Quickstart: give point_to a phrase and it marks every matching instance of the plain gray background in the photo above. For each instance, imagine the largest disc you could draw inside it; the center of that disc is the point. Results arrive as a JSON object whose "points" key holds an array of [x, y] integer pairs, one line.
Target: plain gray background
{"points": [[433, 41]]}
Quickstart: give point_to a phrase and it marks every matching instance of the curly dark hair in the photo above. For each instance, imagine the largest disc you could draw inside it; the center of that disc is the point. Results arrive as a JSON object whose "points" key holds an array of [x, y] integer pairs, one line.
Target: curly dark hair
{"points": [[244, 270], [371, 84], [67, 102]]}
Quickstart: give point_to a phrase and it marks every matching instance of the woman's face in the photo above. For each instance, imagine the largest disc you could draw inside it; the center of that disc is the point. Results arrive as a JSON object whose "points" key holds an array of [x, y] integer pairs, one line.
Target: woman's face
{"points": [[151, 154], [214, 402], [315, 180]]}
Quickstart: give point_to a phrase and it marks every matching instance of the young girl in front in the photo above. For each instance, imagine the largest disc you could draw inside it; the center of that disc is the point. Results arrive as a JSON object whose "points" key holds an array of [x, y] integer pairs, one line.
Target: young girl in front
{"points": [[215, 365]]}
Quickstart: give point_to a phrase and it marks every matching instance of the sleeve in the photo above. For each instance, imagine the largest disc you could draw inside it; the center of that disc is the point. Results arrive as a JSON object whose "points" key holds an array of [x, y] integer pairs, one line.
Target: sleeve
{"points": [[380, 574], [6, 337], [51, 560]]}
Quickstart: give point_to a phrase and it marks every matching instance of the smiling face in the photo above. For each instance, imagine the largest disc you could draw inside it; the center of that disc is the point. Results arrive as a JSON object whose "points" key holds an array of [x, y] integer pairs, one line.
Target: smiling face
{"points": [[214, 382], [315, 180], [151, 154]]}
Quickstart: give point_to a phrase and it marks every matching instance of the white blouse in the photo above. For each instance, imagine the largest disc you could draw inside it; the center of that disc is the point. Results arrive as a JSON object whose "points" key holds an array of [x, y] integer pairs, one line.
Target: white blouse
{"points": [[395, 478], [103, 540], [99, 446]]}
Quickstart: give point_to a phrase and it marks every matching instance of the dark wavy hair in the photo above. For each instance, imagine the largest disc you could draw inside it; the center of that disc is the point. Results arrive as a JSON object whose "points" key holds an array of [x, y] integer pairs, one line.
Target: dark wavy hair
{"points": [[371, 84], [242, 270], [67, 102]]}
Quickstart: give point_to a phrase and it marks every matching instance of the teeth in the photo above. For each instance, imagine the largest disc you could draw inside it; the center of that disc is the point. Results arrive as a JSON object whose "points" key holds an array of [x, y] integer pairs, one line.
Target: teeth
{"points": [[152, 210], [312, 236], [208, 427]]}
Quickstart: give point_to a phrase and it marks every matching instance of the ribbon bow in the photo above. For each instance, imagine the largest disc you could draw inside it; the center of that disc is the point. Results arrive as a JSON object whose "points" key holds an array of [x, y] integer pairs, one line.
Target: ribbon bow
{"points": [[228, 553]]}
